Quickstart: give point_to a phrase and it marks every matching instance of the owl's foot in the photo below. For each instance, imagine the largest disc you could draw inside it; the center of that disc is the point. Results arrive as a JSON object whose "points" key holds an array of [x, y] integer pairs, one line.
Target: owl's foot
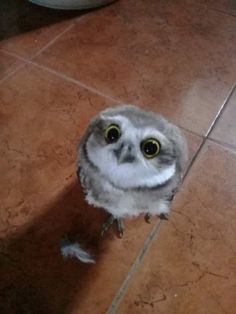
{"points": [[120, 227], [109, 222], [163, 216], [106, 225], [148, 218]]}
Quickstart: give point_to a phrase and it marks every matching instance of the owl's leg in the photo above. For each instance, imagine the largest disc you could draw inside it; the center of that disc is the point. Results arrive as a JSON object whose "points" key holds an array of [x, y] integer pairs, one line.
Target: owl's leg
{"points": [[164, 216], [160, 209], [106, 225], [120, 226], [110, 221], [148, 218]]}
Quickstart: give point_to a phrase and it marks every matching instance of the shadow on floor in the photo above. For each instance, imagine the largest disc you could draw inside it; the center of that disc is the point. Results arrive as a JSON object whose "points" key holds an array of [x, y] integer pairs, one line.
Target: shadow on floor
{"points": [[20, 16], [34, 276]]}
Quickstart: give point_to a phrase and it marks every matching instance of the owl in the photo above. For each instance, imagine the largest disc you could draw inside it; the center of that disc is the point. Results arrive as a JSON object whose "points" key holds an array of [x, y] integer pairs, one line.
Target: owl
{"points": [[131, 162]]}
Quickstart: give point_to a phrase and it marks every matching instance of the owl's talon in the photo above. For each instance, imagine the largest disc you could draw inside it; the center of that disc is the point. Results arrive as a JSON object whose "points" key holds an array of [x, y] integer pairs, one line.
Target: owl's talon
{"points": [[148, 218], [120, 227], [163, 216], [121, 235], [109, 222]]}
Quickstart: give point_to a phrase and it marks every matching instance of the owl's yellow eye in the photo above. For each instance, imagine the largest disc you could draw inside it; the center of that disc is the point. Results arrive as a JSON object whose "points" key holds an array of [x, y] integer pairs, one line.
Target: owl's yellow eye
{"points": [[112, 133], [150, 148]]}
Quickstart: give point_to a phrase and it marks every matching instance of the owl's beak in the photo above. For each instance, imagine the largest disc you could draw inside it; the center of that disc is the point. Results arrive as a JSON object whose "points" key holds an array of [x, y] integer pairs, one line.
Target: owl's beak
{"points": [[125, 153]]}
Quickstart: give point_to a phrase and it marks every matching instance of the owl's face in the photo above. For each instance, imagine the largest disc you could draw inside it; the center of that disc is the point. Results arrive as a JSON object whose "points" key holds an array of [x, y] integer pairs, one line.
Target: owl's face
{"points": [[130, 154]]}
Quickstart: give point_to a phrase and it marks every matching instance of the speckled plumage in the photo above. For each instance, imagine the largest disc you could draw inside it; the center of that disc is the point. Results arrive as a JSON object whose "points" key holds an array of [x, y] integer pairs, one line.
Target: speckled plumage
{"points": [[140, 185]]}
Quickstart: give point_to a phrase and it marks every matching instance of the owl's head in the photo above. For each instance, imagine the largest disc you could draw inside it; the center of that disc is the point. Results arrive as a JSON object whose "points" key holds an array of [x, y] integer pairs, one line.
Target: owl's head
{"points": [[133, 148]]}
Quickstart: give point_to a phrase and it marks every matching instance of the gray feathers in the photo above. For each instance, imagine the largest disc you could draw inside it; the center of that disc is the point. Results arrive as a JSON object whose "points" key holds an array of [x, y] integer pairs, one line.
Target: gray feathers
{"points": [[118, 175]]}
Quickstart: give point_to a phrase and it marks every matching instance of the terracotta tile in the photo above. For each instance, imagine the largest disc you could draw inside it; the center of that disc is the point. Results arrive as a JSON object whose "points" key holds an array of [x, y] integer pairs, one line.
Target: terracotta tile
{"points": [[175, 58], [32, 265], [29, 43], [190, 267], [225, 129], [7, 64], [42, 118]]}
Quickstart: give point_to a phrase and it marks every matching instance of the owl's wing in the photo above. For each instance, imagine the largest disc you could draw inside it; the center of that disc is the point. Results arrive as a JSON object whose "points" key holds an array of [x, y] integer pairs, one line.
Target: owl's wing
{"points": [[175, 189], [81, 177], [171, 196]]}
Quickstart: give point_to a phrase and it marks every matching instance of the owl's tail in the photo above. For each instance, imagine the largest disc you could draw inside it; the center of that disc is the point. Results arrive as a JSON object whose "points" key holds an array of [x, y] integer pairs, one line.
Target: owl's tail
{"points": [[69, 249]]}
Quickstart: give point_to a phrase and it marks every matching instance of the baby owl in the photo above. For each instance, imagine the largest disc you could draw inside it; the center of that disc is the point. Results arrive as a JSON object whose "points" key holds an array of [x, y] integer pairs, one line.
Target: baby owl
{"points": [[131, 162]]}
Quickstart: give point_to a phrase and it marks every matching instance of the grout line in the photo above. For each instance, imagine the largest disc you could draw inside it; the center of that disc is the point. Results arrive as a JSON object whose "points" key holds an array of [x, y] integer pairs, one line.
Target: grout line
{"points": [[194, 157], [221, 110], [52, 41], [11, 73], [25, 60], [124, 287], [67, 78], [188, 130], [72, 80], [223, 144], [12, 54], [31, 61], [139, 259], [83, 85], [155, 231]]}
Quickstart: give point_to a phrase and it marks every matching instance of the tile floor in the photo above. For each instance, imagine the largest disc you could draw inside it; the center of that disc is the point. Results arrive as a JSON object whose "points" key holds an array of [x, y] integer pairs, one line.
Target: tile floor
{"points": [[175, 57]]}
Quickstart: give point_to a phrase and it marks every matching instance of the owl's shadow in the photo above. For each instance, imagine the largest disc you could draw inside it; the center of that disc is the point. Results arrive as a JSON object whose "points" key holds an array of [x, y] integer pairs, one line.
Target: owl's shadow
{"points": [[35, 278]]}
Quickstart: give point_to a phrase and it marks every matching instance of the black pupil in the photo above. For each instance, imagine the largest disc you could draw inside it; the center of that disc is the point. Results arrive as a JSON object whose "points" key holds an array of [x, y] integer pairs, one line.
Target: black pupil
{"points": [[113, 135], [150, 148]]}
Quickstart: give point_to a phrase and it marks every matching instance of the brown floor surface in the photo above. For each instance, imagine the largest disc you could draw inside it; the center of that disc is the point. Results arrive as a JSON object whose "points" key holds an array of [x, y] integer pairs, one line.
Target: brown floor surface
{"points": [[174, 57]]}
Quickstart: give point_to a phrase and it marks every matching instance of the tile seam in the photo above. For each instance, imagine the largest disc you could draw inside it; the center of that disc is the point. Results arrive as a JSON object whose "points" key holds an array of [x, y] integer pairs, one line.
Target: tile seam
{"points": [[12, 54], [12, 72], [139, 259], [205, 138], [154, 233], [52, 71], [52, 41], [223, 144], [221, 111], [125, 285], [27, 60], [74, 81]]}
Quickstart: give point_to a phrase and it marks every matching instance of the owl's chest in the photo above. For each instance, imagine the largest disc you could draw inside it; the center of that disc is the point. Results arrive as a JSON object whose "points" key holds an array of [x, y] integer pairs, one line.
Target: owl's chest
{"points": [[101, 193], [120, 202]]}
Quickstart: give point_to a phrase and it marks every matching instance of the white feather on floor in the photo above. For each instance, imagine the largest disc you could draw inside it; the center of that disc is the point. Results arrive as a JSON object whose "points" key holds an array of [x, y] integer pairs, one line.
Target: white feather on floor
{"points": [[74, 250]]}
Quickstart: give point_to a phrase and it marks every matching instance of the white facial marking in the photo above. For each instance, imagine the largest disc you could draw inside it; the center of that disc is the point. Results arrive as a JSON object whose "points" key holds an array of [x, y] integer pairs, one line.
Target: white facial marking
{"points": [[140, 173]]}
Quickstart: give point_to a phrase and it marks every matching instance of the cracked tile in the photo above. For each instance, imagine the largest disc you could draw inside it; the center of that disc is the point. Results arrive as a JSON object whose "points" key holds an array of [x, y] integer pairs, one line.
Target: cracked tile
{"points": [[190, 267]]}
